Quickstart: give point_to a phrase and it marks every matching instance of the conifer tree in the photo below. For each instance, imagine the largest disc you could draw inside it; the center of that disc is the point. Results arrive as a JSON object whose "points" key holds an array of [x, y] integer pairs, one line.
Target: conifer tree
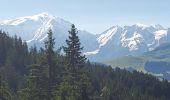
{"points": [[50, 62], [33, 55], [49, 49], [75, 61], [74, 58], [32, 81], [37, 83]]}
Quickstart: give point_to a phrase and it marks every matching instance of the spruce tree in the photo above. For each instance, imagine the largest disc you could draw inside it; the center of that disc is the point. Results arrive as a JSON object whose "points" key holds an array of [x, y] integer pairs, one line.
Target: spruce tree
{"points": [[74, 58], [49, 48], [50, 62], [37, 84], [75, 61]]}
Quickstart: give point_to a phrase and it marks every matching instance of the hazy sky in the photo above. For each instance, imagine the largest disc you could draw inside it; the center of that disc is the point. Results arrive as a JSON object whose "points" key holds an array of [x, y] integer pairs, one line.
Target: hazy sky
{"points": [[93, 15]]}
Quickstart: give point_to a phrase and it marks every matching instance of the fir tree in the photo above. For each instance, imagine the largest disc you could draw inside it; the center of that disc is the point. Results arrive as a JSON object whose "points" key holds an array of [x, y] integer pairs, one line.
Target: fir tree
{"points": [[37, 83], [51, 63], [74, 56], [49, 48], [75, 61]]}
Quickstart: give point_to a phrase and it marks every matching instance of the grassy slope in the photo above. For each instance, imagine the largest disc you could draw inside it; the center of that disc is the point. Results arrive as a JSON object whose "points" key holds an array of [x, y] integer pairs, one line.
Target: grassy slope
{"points": [[137, 63], [127, 61]]}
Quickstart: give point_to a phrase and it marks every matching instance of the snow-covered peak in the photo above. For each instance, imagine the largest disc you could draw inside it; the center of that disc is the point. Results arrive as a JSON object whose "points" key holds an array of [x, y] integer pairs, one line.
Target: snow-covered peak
{"points": [[34, 27], [141, 25], [21, 20]]}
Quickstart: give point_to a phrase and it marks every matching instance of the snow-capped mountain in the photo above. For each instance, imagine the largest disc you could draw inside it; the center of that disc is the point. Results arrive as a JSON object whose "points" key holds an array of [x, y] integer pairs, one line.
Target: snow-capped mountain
{"points": [[129, 40], [33, 29], [115, 42]]}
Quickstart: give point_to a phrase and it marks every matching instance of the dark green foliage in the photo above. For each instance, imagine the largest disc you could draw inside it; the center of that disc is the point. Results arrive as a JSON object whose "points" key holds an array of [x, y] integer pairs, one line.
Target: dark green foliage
{"points": [[5, 93], [123, 85], [74, 57], [36, 87], [50, 62], [45, 74], [75, 61], [34, 55], [13, 59]]}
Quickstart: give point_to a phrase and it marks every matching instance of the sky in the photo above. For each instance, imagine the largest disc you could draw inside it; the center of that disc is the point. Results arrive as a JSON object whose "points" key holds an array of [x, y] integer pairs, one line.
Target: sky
{"points": [[94, 16]]}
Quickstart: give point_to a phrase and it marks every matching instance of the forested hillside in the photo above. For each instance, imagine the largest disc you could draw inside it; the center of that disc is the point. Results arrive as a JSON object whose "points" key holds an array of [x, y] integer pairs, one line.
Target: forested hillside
{"points": [[47, 74]]}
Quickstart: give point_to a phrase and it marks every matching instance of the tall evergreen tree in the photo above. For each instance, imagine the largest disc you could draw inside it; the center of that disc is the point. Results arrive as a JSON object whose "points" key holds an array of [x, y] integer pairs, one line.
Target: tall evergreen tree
{"points": [[49, 49], [74, 58], [75, 61], [50, 62]]}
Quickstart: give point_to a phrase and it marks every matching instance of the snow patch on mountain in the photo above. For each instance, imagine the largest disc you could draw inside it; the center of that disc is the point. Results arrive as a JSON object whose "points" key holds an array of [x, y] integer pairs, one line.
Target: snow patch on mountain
{"points": [[104, 38], [160, 34], [132, 42], [92, 52], [40, 34]]}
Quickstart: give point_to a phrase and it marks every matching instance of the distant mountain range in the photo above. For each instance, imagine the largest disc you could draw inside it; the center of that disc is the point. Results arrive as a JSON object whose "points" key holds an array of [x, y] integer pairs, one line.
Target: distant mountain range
{"points": [[115, 42]]}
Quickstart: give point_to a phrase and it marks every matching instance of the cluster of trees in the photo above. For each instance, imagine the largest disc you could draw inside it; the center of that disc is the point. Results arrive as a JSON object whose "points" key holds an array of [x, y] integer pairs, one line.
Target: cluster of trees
{"points": [[46, 74]]}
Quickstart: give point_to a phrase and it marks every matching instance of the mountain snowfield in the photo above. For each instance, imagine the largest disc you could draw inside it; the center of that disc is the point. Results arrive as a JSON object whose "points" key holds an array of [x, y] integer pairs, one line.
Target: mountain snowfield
{"points": [[114, 42]]}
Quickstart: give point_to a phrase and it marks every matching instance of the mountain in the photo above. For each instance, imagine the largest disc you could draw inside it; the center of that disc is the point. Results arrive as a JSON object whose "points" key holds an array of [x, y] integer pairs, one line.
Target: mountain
{"points": [[130, 40], [115, 42], [33, 29]]}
